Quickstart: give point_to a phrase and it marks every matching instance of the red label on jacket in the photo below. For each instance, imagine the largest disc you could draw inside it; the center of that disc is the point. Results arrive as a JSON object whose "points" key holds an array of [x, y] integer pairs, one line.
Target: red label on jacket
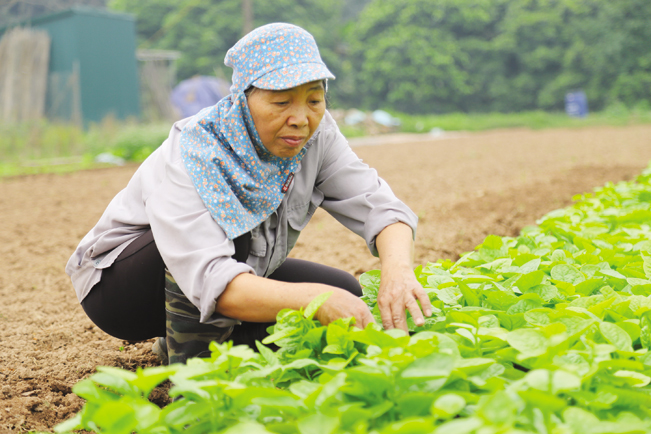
{"points": [[287, 182]]}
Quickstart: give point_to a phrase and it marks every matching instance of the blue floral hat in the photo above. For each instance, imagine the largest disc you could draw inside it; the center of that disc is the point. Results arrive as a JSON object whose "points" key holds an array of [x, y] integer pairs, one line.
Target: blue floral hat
{"points": [[276, 56], [239, 181]]}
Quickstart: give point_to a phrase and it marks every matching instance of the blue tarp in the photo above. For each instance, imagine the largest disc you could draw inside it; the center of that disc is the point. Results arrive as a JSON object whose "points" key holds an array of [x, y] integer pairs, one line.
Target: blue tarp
{"points": [[576, 104], [195, 93]]}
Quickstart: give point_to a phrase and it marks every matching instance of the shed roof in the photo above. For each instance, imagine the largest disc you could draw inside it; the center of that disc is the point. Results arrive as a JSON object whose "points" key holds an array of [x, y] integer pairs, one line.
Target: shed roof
{"points": [[79, 10]]}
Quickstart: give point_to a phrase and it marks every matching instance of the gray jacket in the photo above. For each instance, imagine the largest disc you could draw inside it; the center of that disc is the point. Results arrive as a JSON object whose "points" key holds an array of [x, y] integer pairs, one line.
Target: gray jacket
{"points": [[196, 250]]}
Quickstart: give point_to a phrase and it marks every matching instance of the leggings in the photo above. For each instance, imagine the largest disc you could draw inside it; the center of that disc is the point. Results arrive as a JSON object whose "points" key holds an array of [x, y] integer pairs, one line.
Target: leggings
{"points": [[129, 300]]}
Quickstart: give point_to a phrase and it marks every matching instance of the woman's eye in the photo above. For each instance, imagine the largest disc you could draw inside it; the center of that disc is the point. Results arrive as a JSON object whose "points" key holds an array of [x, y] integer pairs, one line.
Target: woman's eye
{"points": [[316, 101], [281, 103]]}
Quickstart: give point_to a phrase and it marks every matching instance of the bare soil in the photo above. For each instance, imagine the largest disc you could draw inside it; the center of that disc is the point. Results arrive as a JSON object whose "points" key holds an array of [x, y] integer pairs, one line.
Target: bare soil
{"points": [[462, 187]]}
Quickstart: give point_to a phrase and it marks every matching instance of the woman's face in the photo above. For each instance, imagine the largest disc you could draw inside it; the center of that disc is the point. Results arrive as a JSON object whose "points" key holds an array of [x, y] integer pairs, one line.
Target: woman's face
{"points": [[286, 119]]}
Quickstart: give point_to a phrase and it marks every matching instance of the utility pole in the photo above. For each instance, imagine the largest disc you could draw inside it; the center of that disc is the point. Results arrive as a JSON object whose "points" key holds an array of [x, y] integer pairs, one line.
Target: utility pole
{"points": [[247, 16]]}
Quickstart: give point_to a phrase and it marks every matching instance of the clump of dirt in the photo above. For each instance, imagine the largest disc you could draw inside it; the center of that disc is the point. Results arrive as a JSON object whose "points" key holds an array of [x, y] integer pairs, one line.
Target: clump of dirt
{"points": [[462, 188]]}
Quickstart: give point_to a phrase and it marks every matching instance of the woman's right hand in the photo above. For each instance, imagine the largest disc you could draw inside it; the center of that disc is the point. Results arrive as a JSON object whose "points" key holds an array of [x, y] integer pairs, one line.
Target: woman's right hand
{"points": [[257, 299], [343, 304]]}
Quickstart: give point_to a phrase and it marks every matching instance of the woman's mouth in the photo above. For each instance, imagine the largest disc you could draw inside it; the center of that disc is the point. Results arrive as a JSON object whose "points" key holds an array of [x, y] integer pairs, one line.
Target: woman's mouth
{"points": [[293, 141]]}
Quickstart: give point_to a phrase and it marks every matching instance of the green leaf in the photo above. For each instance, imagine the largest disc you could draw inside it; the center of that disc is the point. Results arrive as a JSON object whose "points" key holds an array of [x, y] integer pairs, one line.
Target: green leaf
{"points": [[528, 280], [645, 330], [414, 404], [511, 322], [371, 336], [460, 426], [589, 286], [333, 349], [529, 342], [463, 318], [280, 335], [247, 427], [552, 381], [634, 379], [448, 405], [315, 304], [616, 336], [318, 424], [436, 365], [531, 266], [546, 292], [543, 400], [370, 279], [116, 417], [498, 409], [613, 274], [474, 365], [523, 306], [493, 242], [628, 397], [303, 388], [647, 265], [270, 357], [470, 296], [567, 273], [69, 425], [148, 379], [632, 328], [537, 318]]}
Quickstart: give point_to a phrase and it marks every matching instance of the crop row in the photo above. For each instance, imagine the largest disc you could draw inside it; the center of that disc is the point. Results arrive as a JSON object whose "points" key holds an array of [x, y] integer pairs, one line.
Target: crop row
{"points": [[548, 332]]}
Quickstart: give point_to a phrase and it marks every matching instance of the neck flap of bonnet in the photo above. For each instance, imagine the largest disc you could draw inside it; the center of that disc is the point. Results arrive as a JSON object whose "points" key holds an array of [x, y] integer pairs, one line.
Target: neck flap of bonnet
{"points": [[238, 179]]}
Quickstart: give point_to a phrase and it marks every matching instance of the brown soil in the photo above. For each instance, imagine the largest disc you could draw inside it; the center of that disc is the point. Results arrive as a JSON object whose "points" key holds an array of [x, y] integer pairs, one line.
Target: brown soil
{"points": [[462, 187]]}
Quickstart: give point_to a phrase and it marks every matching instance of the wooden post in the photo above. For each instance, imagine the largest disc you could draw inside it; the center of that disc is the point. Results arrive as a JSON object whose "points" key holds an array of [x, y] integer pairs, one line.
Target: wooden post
{"points": [[247, 16]]}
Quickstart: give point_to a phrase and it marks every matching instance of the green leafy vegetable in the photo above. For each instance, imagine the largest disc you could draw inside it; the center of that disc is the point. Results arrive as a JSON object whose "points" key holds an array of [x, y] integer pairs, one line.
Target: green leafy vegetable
{"points": [[547, 332]]}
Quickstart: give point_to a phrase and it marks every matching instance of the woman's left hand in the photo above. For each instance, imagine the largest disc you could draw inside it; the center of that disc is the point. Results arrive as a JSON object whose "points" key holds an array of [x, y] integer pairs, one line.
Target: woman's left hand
{"points": [[400, 291], [399, 288]]}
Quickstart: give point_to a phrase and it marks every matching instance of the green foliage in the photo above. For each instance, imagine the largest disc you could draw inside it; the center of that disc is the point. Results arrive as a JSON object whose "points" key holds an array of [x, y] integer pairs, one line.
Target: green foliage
{"points": [[548, 332], [434, 56], [204, 31], [55, 148], [615, 115], [421, 56], [508, 55], [133, 142], [45, 147]]}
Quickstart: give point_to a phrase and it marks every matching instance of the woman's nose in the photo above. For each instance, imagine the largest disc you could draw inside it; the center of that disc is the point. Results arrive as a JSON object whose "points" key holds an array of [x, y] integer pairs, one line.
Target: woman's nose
{"points": [[299, 117]]}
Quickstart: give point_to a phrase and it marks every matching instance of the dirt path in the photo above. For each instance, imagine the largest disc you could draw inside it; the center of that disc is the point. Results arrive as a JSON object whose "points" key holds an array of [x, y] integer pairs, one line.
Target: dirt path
{"points": [[462, 188]]}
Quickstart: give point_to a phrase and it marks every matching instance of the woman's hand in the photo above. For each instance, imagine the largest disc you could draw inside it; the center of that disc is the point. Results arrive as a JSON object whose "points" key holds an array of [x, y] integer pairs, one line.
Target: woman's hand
{"points": [[343, 304], [257, 299], [399, 289]]}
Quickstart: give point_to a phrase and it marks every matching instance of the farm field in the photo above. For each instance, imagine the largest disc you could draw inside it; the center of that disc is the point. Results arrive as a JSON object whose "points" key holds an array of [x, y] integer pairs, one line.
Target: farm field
{"points": [[463, 188]]}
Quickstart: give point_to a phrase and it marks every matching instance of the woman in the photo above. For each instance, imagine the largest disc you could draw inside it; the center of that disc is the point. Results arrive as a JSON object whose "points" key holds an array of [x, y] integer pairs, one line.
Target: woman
{"points": [[195, 247]]}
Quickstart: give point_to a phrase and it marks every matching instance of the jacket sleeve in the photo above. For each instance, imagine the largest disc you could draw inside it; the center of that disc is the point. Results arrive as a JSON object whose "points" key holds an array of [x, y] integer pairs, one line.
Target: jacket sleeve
{"points": [[353, 192], [193, 246]]}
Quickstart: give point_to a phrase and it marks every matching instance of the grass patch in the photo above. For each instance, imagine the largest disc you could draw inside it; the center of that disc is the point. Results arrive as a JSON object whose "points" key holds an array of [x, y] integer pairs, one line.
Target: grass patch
{"points": [[46, 147], [617, 115]]}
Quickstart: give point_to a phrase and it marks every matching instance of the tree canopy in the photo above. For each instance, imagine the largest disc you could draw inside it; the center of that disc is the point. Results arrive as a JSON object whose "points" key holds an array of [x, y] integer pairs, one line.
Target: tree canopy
{"points": [[433, 56]]}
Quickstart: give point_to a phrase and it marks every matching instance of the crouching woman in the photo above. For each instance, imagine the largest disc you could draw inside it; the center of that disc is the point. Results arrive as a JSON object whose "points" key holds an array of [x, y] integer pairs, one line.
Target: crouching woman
{"points": [[195, 248]]}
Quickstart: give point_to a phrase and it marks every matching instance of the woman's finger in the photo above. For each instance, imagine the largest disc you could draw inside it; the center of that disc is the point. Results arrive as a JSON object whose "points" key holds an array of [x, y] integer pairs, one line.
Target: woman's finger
{"points": [[385, 314], [425, 302], [398, 315], [366, 319], [415, 311]]}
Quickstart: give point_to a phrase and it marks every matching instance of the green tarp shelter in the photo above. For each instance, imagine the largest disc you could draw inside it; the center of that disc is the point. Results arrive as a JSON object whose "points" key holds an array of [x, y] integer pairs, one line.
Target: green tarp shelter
{"points": [[93, 69]]}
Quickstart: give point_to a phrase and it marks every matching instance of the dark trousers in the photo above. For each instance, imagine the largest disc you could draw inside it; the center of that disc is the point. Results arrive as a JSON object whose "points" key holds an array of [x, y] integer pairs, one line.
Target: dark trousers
{"points": [[129, 301]]}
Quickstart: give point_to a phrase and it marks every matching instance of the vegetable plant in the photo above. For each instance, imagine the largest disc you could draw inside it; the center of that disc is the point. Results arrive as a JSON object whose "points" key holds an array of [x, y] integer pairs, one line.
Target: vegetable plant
{"points": [[547, 332]]}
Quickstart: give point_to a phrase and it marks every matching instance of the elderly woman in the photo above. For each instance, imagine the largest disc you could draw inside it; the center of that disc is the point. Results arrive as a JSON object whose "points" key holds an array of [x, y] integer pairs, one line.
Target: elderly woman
{"points": [[195, 248]]}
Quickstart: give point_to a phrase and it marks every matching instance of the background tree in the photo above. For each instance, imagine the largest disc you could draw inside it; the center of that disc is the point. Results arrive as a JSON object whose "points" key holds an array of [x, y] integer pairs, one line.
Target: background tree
{"points": [[203, 31], [433, 56], [420, 55]]}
